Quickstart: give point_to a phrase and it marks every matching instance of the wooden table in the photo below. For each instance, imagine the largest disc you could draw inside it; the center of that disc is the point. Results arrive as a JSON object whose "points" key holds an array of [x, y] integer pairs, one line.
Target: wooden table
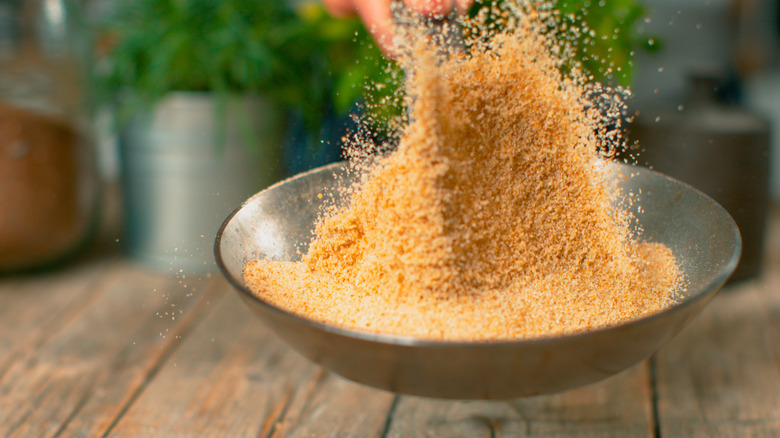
{"points": [[104, 348]]}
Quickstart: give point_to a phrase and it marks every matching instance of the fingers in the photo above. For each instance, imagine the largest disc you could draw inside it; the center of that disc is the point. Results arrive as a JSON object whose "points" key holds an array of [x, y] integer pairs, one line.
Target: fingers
{"points": [[438, 7], [431, 7], [463, 5], [339, 8], [376, 16]]}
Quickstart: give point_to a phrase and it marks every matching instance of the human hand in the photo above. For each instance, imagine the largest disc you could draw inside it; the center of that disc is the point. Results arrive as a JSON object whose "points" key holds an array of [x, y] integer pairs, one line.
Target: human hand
{"points": [[377, 16]]}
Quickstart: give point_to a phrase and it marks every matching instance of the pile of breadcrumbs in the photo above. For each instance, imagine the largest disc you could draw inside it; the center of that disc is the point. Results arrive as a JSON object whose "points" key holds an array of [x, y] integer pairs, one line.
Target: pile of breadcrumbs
{"points": [[491, 220]]}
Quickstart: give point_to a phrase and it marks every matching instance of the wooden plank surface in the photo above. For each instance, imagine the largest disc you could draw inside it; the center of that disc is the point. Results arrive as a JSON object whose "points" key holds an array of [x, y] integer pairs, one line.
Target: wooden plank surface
{"points": [[33, 308], [620, 406], [233, 378], [88, 363], [103, 348]]}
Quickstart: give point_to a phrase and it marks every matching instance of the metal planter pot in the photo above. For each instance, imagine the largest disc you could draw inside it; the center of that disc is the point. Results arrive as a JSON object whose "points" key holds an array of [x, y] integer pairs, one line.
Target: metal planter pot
{"points": [[184, 168]]}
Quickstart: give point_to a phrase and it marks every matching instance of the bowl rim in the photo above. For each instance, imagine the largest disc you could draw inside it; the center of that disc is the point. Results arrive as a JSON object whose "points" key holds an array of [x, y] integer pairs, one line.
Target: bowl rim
{"points": [[410, 341]]}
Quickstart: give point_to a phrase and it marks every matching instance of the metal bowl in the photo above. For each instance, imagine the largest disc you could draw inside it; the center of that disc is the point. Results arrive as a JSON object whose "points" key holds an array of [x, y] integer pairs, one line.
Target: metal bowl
{"points": [[277, 222]]}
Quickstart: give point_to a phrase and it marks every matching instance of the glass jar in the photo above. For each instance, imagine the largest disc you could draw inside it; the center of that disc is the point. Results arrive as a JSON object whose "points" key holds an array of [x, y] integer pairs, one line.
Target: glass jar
{"points": [[48, 180]]}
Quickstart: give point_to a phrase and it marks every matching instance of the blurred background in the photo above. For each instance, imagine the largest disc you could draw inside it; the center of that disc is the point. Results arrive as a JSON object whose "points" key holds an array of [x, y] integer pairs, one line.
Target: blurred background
{"points": [[142, 124]]}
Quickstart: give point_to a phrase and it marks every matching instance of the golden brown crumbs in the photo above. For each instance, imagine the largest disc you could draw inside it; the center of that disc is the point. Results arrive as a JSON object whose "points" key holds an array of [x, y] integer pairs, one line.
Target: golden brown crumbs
{"points": [[491, 220]]}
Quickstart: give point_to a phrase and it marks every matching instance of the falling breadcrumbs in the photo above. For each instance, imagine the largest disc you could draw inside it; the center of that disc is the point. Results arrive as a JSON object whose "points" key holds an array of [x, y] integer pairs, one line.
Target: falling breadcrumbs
{"points": [[490, 220]]}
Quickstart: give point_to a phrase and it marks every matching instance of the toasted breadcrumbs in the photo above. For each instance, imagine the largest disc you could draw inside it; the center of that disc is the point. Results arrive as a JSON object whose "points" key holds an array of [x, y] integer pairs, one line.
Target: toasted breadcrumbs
{"points": [[490, 220]]}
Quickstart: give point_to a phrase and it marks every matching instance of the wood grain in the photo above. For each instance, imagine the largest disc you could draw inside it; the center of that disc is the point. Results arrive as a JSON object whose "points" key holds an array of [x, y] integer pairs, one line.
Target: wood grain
{"points": [[228, 379], [338, 408], [77, 379], [103, 348], [32, 308], [232, 377], [619, 406]]}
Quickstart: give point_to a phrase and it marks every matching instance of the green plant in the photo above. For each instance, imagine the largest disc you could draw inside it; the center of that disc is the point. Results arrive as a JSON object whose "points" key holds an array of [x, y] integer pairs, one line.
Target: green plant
{"points": [[607, 47], [298, 56], [607, 37]]}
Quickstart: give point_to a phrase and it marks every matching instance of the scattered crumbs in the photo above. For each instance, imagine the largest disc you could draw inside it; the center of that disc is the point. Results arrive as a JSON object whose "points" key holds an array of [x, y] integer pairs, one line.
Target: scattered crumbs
{"points": [[489, 219]]}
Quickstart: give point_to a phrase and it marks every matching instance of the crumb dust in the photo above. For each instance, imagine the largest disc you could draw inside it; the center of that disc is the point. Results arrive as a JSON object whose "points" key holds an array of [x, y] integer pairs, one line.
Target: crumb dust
{"points": [[491, 218]]}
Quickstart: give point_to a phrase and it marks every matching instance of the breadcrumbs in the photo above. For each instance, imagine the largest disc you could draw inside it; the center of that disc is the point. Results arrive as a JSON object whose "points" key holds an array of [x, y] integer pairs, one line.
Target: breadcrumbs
{"points": [[490, 220]]}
